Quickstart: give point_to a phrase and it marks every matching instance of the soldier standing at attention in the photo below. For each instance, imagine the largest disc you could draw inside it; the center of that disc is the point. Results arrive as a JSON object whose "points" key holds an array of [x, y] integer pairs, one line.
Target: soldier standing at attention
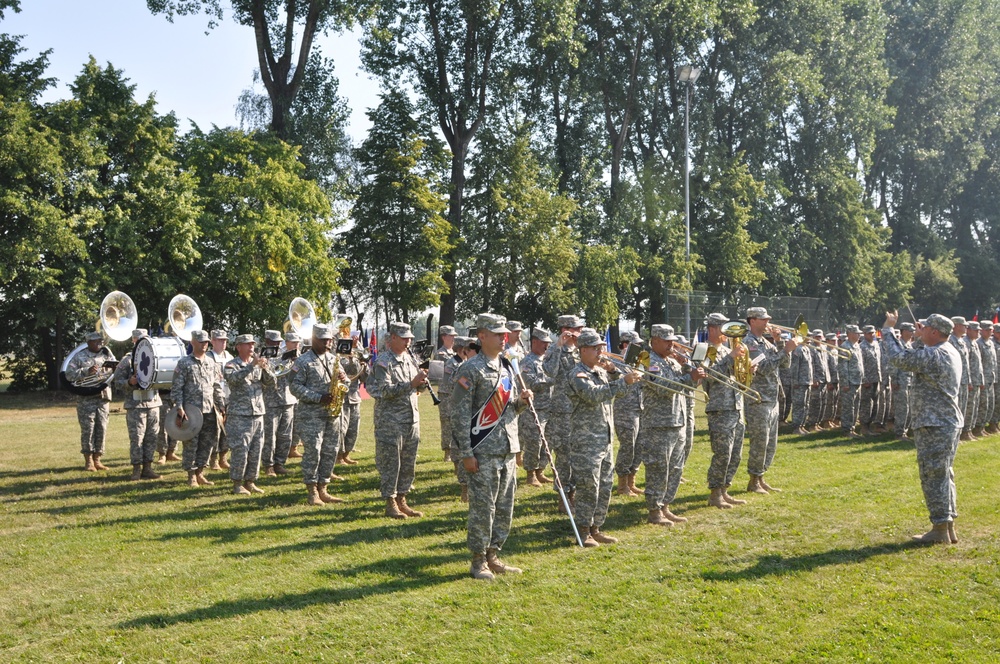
{"points": [[975, 379], [484, 421], [593, 385], [198, 385], [957, 340], [534, 457], [92, 411], [142, 415], [937, 419], [559, 360], [279, 415], [246, 376], [802, 378], [900, 382], [350, 413], [320, 430], [871, 360], [627, 407], [762, 418], [851, 375], [986, 398], [395, 382], [222, 357], [445, 353]]}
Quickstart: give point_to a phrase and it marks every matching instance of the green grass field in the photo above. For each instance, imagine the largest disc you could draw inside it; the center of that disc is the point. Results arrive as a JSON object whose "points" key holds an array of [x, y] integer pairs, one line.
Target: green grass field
{"points": [[98, 569]]}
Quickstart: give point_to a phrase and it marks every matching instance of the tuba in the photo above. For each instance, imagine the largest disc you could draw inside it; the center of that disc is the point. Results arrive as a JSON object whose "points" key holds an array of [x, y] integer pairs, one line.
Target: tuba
{"points": [[116, 320], [742, 368], [183, 317], [301, 318]]}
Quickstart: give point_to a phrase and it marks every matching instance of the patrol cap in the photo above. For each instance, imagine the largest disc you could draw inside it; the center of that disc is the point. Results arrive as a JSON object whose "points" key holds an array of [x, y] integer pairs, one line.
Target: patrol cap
{"points": [[716, 319], [292, 336], [974, 325], [94, 336], [220, 334], [491, 323], [985, 325], [660, 331], [139, 333], [868, 329], [202, 335], [461, 342], [907, 326], [631, 337], [272, 335], [401, 330], [240, 339], [324, 331], [831, 336], [941, 323], [514, 325], [447, 331], [589, 337], [757, 312], [541, 335], [955, 320], [570, 320], [852, 329], [816, 333]]}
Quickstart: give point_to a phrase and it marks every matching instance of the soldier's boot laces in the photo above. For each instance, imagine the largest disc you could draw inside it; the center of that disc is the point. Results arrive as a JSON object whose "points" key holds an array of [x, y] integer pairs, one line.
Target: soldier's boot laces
{"points": [[498, 566], [392, 511], [589, 541], [406, 509], [729, 499], [938, 534], [716, 500], [147, 471], [326, 497], [314, 498], [479, 569]]}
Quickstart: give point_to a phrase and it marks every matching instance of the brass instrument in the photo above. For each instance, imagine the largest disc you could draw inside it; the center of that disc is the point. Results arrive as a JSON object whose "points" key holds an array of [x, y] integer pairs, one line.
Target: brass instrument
{"points": [[116, 320], [301, 318], [641, 366], [183, 317], [742, 367], [717, 376], [801, 333]]}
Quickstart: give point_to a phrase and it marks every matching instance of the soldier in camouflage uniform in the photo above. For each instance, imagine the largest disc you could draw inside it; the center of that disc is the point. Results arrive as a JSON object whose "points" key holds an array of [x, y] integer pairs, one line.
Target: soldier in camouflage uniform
{"points": [[593, 384], [689, 398], [957, 340], [871, 359], [142, 415], [937, 420], [310, 383], [485, 405], [557, 363], [446, 352], [994, 425], [784, 393], [92, 411], [661, 425], [445, 391], [469, 349], [627, 407], [514, 343], [802, 380], [851, 375], [900, 381], [724, 411], [198, 385], [989, 358], [246, 375], [218, 352], [821, 378], [831, 396], [350, 414], [975, 379], [534, 456], [279, 412], [395, 382], [762, 417]]}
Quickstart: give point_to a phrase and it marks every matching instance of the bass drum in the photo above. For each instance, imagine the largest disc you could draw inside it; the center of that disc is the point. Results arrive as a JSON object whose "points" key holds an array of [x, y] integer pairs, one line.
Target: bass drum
{"points": [[154, 360]]}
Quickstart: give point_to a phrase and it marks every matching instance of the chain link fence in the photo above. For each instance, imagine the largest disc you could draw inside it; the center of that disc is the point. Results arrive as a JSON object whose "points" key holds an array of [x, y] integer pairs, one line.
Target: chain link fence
{"points": [[783, 309]]}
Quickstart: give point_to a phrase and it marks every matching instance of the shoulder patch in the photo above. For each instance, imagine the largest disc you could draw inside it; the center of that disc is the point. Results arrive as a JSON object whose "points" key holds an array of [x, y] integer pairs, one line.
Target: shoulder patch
{"points": [[582, 374], [464, 382], [653, 369], [382, 363], [295, 367]]}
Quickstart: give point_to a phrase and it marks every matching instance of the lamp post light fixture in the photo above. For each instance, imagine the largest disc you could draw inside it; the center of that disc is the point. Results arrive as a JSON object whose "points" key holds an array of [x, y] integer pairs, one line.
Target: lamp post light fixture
{"points": [[687, 74]]}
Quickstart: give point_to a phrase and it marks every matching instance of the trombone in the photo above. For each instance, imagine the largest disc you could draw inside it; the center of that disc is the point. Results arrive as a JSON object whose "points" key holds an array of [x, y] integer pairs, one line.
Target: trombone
{"points": [[801, 333], [657, 381], [717, 376]]}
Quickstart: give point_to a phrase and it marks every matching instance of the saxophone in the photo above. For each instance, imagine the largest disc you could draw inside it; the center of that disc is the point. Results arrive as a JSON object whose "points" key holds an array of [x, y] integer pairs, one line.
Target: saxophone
{"points": [[338, 392]]}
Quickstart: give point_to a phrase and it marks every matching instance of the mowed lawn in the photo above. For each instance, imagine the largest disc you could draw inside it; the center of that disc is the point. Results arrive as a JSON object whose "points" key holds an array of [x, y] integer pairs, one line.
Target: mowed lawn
{"points": [[95, 568]]}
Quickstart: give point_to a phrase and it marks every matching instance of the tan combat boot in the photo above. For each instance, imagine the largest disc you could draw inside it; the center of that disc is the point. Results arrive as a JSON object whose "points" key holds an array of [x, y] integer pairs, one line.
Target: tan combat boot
{"points": [[623, 489], [602, 538], [223, 464], [392, 511], [269, 472], [656, 518], [147, 471], [161, 458], [479, 570], [97, 463], [213, 461], [136, 472], [671, 516], [532, 479], [767, 487], [588, 539], [951, 532], [199, 476], [239, 489], [978, 432], [326, 497], [192, 479], [346, 458], [938, 534], [293, 452], [251, 487], [171, 456], [636, 491], [314, 498], [279, 469], [542, 478], [753, 486], [498, 566], [404, 508], [729, 499], [716, 500]]}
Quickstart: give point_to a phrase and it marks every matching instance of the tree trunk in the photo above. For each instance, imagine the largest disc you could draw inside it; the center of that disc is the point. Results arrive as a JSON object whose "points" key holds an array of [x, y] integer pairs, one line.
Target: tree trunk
{"points": [[455, 201]]}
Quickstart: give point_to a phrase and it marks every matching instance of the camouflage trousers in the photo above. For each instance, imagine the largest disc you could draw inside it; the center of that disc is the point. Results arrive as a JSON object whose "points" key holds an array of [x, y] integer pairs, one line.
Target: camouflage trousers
{"points": [[784, 403], [491, 501], [831, 403], [901, 409], [886, 409], [762, 429], [246, 440], [396, 457], [663, 453], [198, 449], [815, 408], [594, 477], [92, 412], [963, 397], [725, 431], [850, 406], [143, 424], [321, 436], [350, 421], [222, 442], [533, 455], [972, 408], [627, 432], [277, 434], [936, 448], [688, 430], [164, 443], [800, 404], [444, 413], [558, 430], [869, 403], [986, 405]]}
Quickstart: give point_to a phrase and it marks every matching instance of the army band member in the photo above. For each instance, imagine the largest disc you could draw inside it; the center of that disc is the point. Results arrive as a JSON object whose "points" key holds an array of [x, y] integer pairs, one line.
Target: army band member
{"points": [[627, 407], [986, 399], [957, 340], [724, 411], [446, 352], [557, 363], [247, 375], [218, 352], [92, 411], [851, 375], [534, 456], [279, 415], [142, 415], [350, 414], [871, 359], [802, 385], [900, 381], [975, 379], [197, 385]]}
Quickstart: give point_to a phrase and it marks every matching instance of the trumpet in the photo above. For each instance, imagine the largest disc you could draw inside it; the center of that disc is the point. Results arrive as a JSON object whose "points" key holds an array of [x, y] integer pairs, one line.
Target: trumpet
{"points": [[716, 376], [657, 381], [801, 333]]}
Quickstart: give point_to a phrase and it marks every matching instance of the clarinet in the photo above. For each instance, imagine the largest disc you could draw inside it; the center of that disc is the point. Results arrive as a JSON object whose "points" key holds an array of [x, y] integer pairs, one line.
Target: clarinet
{"points": [[430, 388]]}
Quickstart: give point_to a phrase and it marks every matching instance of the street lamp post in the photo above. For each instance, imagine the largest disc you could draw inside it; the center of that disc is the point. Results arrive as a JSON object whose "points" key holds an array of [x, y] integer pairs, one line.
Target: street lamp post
{"points": [[687, 74]]}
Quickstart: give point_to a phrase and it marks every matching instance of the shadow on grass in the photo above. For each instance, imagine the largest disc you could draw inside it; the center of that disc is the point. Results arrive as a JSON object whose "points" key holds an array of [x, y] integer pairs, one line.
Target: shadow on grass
{"points": [[859, 445], [778, 565], [35, 400], [891, 445], [405, 574]]}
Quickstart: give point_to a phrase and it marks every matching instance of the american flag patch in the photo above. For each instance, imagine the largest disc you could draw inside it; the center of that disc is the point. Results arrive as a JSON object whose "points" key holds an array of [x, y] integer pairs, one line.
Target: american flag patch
{"points": [[464, 382]]}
